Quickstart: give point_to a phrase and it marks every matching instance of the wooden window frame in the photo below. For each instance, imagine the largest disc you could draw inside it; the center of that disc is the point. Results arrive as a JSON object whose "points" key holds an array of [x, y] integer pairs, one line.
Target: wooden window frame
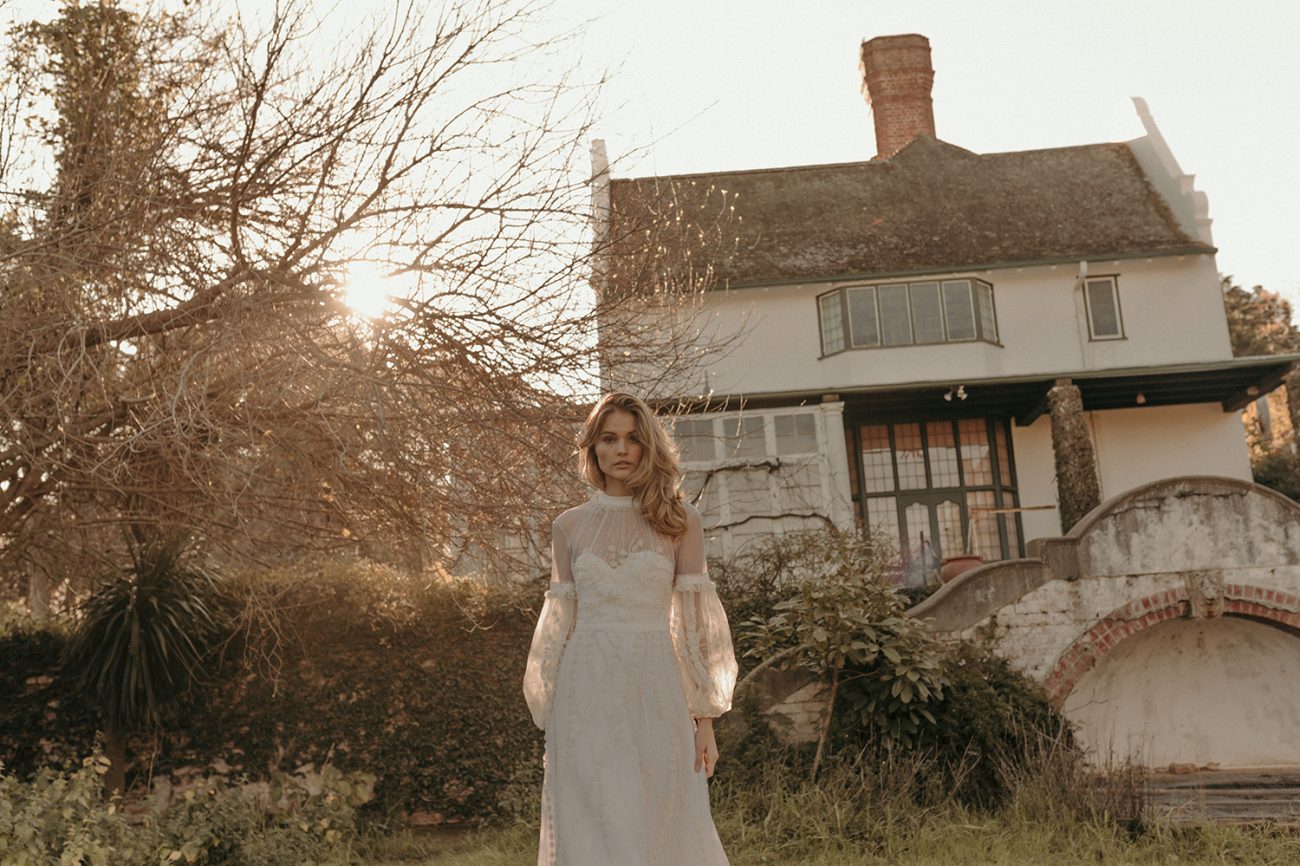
{"points": [[1004, 494]]}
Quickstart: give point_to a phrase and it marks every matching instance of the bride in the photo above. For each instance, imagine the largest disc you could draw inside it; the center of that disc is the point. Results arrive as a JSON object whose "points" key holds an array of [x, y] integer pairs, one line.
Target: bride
{"points": [[631, 660]]}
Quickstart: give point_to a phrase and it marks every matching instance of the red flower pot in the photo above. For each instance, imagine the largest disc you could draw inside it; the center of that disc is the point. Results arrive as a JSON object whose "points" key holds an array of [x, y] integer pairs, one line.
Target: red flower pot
{"points": [[955, 565]]}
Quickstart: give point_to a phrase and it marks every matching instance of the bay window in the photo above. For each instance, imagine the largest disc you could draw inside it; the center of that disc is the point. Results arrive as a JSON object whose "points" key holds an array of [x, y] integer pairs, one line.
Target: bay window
{"points": [[905, 314]]}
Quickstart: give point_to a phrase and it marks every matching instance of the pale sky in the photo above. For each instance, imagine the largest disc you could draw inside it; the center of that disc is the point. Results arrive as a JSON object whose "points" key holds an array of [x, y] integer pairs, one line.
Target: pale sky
{"points": [[702, 86]]}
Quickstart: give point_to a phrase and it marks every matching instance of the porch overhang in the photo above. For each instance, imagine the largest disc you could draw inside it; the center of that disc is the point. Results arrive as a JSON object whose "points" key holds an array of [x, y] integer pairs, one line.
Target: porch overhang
{"points": [[1231, 383]]}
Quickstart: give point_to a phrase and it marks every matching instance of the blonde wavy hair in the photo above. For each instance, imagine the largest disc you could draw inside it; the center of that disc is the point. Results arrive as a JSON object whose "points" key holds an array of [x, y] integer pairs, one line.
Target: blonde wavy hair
{"points": [[656, 481]]}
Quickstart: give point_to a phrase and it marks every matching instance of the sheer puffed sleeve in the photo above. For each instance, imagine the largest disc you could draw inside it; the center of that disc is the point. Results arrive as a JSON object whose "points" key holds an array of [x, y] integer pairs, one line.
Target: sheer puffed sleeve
{"points": [[701, 635], [554, 625]]}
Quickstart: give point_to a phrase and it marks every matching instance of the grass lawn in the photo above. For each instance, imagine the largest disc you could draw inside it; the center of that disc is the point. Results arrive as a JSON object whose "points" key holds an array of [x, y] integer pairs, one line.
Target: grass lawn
{"points": [[946, 841]]}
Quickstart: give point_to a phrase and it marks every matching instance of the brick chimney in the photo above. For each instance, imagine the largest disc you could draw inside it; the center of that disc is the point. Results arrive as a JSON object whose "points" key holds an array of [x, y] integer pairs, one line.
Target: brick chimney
{"points": [[896, 80]]}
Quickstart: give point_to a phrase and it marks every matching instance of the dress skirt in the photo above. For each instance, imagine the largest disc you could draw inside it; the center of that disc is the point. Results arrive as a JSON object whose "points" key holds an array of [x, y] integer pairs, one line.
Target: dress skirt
{"points": [[619, 785]]}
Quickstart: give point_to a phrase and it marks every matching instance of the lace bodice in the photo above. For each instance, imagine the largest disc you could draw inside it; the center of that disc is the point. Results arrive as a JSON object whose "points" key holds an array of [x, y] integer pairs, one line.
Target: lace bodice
{"points": [[612, 572], [623, 570]]}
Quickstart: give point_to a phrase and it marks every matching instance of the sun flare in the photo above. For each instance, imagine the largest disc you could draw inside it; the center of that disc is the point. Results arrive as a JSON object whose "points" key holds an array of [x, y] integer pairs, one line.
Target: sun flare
{"points": [[368, 290]]}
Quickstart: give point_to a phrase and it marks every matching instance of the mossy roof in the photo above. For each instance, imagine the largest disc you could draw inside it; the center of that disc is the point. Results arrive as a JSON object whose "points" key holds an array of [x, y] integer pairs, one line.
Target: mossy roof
{"points": [[932, 207]]}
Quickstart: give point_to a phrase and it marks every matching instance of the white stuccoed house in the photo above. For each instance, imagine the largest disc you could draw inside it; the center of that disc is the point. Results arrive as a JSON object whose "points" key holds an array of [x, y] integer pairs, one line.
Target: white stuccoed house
{"points": [[894, 327], [899, 321]]}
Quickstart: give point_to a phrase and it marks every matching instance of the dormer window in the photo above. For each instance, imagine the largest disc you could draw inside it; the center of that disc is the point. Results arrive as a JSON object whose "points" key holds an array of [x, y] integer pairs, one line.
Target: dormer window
{"points": [[906, 314], [1101, 295]]}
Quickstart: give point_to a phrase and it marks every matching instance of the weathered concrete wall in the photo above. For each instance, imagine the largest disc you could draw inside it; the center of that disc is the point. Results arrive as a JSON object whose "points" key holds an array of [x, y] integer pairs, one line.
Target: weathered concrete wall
{"points": [[1194, 691], [793, 700], [1195, 548]]}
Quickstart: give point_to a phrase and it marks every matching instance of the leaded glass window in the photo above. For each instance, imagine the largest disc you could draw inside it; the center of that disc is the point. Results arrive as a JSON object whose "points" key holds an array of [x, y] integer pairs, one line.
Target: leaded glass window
{"points": [[941, 487], [1102, 296], [905, 314]]}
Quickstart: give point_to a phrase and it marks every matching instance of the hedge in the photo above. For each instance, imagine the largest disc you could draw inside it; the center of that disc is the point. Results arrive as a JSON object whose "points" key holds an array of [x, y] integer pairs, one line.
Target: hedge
{"points": [[416, 682]]}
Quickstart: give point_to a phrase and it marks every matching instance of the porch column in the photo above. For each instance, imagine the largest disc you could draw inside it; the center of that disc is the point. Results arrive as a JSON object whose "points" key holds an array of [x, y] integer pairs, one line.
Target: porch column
{"points": [[1077, 489]]}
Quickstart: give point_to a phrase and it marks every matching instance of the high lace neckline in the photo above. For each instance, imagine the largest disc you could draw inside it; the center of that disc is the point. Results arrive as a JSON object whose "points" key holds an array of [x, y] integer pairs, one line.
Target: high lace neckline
{"points": [[604, 499]]}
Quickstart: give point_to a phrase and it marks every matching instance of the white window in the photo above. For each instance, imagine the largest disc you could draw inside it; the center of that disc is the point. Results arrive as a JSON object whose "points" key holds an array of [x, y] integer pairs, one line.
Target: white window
{"points": [[988, 321], [959, 309], [796, 434], [895, 320], [695, 440], [927, 313], [1102, 296], [906, 314], [864, 324], [749, 493], [832, 319], [755, 472], [744, 438], [800, 488]]}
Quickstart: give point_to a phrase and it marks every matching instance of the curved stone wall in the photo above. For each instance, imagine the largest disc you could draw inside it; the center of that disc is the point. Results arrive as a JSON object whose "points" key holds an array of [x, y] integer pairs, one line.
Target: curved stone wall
{"points": [[1189, 550]]}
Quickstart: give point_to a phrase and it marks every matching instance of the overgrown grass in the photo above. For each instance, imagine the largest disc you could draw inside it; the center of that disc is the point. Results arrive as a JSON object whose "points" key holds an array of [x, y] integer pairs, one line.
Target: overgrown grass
{"points": [[883, 809], [948, 837]]}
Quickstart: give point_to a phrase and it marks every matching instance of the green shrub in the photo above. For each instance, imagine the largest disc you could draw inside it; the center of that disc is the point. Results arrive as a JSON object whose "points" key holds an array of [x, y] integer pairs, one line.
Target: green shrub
{"points": [[992, 723], [61, 819], [417, 681], [839, 617], [414, 679], [142, 638], [306, 817]]}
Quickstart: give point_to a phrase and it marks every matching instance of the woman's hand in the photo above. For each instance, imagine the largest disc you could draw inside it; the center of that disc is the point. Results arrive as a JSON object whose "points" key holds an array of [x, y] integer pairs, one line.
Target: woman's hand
{"points": [[706, 747]]}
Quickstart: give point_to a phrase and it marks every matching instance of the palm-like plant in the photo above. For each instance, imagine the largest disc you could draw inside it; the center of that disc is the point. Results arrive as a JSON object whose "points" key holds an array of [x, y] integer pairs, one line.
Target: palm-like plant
{"points": [[143, 635]]}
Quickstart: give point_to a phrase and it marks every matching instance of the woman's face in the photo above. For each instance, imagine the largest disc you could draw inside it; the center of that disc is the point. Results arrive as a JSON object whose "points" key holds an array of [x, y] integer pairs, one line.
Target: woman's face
{"points": [[618, 451]]}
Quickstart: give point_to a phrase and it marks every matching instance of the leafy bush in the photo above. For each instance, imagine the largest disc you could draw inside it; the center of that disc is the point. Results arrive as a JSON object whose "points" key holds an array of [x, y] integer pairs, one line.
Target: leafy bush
{"points": [[992, 722], [842, 620], [58, 819], [307, 817], [415, 679]]}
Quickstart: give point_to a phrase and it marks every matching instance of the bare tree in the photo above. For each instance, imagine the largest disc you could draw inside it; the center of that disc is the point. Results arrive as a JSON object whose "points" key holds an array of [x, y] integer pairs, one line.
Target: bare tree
{"points": [[184, 196]]}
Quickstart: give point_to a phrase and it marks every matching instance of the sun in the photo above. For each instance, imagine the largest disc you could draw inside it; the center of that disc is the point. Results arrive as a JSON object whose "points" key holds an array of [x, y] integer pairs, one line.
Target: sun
{"points": [[367, 289]]}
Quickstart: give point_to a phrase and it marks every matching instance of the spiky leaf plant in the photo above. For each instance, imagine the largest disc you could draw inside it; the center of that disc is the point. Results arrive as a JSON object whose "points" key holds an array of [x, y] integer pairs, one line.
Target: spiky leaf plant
{"points": [[142, 637]]}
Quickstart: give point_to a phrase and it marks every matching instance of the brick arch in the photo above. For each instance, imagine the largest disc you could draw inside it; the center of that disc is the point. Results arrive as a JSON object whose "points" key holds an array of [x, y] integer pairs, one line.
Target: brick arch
{"points": [[1272, 606]]}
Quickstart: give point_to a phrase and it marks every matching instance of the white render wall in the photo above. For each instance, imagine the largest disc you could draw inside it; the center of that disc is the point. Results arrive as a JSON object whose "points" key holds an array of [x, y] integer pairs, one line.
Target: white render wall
{"points": [[1138, 446], [1133, 447], [1031, 449], [1171, 307]]}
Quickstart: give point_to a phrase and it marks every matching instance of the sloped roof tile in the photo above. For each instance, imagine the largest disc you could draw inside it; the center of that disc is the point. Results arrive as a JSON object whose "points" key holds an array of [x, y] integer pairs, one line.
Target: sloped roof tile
{"points": [[932, 207]]}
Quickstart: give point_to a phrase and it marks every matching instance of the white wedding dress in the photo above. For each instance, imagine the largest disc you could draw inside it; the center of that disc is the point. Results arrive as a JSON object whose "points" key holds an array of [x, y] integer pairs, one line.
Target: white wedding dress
{"points": [[630, 644]]}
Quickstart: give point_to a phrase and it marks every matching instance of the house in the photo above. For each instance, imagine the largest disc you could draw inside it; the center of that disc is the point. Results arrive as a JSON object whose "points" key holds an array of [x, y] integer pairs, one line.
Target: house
{"points": [[897, 324], [1023, 355]]}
